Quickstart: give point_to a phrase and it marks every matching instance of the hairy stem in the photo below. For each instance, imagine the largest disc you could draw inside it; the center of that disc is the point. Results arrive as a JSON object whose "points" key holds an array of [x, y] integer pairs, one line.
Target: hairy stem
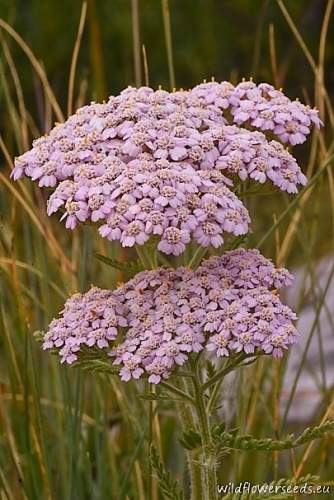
{"points": [[149, 261], [195, 470], [208, 461]]}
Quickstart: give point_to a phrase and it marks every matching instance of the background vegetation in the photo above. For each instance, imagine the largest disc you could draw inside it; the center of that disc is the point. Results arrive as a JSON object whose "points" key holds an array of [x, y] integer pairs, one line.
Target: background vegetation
{"points": [[65, 434]]}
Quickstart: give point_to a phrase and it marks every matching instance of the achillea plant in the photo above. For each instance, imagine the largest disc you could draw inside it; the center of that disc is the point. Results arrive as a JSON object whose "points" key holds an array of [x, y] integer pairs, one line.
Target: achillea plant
{"points": [[226, 306], [157, 171]]}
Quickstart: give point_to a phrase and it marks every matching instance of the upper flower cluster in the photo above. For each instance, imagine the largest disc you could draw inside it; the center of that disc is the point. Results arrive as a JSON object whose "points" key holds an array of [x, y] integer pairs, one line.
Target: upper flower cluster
{"points": [[262, 107], [153, 162], [152, 324]]}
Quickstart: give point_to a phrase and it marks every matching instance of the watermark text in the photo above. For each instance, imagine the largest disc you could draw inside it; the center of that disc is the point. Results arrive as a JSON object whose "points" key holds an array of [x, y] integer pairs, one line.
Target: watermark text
{"points": [[275, 489]]}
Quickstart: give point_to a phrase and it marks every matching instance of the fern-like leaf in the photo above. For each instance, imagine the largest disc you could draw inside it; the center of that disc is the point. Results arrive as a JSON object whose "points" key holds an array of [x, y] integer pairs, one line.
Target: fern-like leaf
{"points": [[169, 488], [96, 365], [210, 369], [190, 439], [233, 441]]}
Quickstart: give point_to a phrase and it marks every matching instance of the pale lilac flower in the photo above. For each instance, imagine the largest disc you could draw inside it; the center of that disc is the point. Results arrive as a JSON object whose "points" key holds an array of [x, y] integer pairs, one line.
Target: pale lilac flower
{"points": [[157, 371], [209, 233], [148, 161], [174, 241], [153, 163], [170, 353], [263, 107], [134, 233], [226, 305], [131, 368], [218, 343]]}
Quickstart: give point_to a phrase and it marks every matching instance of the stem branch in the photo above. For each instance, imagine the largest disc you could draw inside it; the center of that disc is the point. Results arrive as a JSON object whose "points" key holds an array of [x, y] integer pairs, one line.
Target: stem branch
{"points": [[224, 371], [177, 391]]}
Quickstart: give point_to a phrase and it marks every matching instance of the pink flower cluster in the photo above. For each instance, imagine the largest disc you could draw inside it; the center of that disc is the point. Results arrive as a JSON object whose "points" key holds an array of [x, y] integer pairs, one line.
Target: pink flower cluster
{"points": [[158, 163], [152, 324], [262, 107]]}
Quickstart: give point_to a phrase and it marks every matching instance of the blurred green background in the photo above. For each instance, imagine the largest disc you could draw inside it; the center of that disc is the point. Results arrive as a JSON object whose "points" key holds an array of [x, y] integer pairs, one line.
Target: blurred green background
{"points": [[221, 38]]}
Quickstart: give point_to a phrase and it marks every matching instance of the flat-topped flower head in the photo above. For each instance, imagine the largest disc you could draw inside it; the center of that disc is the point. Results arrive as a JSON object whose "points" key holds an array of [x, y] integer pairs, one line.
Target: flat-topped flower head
{"points": [[261, 107], [152, 324], [246, 269], [157, 163]]}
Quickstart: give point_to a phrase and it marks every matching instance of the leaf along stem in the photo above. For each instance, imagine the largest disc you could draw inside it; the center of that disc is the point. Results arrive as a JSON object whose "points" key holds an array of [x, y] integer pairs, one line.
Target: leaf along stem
{"points": [[179, 392]]}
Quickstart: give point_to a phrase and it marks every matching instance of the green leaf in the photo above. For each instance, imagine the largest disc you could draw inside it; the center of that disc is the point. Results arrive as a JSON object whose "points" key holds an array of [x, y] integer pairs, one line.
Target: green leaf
{"points": [[129, 267], [232, 441], [96, 365], [190, 440], [169, 488], [236, 242], [210, 369], [317, 432], [147, 396], [39, 336]]}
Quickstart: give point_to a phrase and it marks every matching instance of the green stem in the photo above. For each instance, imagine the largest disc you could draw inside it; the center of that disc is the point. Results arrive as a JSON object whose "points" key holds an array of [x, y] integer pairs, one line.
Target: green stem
{"points": [[224, 371], [197, 256], [213, 396], [144, 257], [208, 462], [196, 472], [150, 441]]}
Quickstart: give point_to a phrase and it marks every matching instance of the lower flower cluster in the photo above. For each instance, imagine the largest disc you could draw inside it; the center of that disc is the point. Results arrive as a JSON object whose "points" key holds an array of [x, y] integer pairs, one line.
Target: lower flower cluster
{"points": [[150, 325]]}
